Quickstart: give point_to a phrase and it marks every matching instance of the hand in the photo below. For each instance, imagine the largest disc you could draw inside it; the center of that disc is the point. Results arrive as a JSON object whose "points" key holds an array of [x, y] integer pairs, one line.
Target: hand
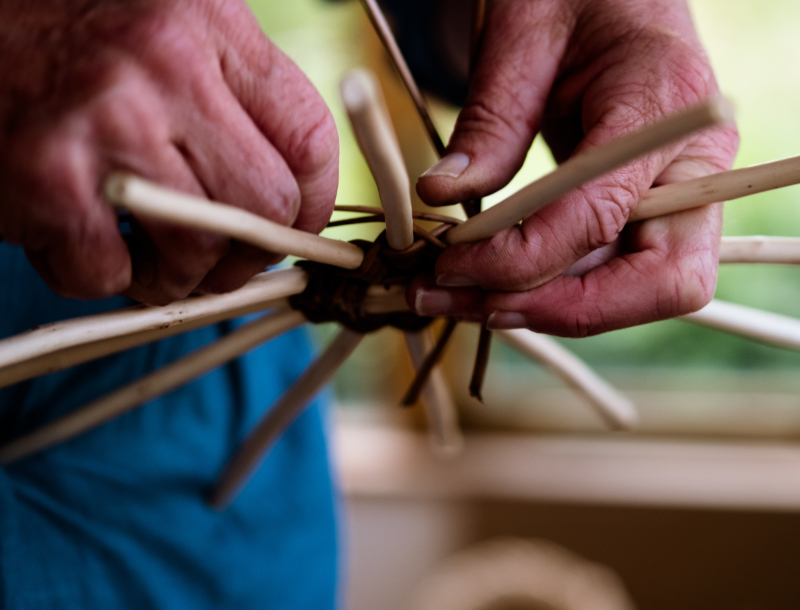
{"points": [[583, 72], [187, 93]]}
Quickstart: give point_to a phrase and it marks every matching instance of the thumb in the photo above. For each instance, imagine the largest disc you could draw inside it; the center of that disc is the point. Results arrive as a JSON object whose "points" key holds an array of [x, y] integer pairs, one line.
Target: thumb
{"points": [[522, 46]]}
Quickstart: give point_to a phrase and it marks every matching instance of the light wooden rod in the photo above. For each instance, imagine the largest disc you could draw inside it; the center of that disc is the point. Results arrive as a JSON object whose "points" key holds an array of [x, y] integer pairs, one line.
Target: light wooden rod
{"points": [[760, 249], [256, 446], [749, 322], [155, 384], [59, 345], [586, 167], [141, 197], [445, 434], [614, 408], [723, 186], [372, 126]]}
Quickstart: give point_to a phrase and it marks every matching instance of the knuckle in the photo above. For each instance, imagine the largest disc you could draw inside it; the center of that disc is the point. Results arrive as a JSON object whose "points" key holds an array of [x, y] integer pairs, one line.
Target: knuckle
{"points": [[284, 203], [314, 146], [608, 212], [478, 118], [693, 284]]}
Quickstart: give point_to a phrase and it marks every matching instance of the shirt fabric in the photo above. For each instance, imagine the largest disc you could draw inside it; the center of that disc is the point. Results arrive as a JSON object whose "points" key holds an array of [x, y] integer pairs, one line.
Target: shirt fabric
{"points": [[116, 517]]}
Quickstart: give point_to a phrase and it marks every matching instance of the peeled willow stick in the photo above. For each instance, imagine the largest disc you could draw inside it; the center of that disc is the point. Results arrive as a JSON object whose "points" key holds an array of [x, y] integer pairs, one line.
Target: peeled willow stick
{"points": [[773, 328], [615, 409], [376, 138], [723, 186], [258, 443], [587, 166], [139, 196], [445, 433], [54, 347], [372, 126], [760, 249], [113, 405]]}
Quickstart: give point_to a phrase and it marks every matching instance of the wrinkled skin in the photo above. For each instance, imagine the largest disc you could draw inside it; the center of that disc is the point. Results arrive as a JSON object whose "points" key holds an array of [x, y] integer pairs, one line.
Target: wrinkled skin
{"points": [[581, 72], [188, 93]]}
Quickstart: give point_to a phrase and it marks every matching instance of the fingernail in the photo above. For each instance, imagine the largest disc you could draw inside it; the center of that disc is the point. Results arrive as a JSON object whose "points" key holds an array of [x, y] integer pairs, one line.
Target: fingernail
{"points": [[455, 281], [432, 302], [502, 320], [452, 165]]}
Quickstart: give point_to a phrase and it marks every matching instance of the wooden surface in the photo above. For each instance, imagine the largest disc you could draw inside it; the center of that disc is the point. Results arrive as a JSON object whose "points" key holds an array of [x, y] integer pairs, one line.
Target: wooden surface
{"points": [[390, 462]]}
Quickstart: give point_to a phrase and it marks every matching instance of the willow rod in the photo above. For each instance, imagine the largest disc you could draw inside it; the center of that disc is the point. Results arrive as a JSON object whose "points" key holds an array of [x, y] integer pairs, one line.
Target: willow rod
{"points": [[587, 166], [159, 382], [59, 345], [616, 409], [256, 446], [765, 326], [139, 196]]}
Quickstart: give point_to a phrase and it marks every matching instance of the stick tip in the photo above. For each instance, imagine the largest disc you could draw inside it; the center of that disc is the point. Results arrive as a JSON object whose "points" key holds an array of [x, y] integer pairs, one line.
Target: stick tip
{"points": [[722, 110], [623, 415], [358, 88], [116, 187]]}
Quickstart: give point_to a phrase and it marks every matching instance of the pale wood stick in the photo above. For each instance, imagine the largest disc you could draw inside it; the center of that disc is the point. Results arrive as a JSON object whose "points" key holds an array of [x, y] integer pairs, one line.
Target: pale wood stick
{"points": [[142, 197], [257, 444], [760, 249], [370, 120], [585, 167], [748, 322], [445, 433], [264, 291], [379, 300], [78, 354], [615, 408], [390, 44], [723, 186], [155, 384], [376, 138], [372, 126]]}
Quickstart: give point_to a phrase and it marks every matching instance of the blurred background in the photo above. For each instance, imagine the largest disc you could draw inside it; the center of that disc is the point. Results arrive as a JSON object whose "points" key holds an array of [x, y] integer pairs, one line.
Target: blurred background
{"points": [[698, 508]]}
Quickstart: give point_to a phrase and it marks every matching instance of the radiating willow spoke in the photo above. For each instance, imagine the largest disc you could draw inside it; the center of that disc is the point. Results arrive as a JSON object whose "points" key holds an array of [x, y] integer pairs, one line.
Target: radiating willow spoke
{"points": [[773, 328], [283, 413], [141, 197], [54, 347], [723, 186], [587, 166], [615, 408], [366, 108], [375, 135], [445, 433], [155, 384], [760, 249]]}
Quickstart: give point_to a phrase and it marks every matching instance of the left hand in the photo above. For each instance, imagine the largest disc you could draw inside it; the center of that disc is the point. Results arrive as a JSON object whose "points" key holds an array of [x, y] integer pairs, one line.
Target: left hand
{"points": [[583, 72]]}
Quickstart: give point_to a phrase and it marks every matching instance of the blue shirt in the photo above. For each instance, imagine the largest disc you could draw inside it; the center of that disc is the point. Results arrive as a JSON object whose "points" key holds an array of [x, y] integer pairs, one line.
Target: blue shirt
{"points": [[116, 517]]}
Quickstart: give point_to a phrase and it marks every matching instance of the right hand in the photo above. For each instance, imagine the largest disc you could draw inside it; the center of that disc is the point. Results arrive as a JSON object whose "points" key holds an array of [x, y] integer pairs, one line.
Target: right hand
{"points": [[187, 93]]}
